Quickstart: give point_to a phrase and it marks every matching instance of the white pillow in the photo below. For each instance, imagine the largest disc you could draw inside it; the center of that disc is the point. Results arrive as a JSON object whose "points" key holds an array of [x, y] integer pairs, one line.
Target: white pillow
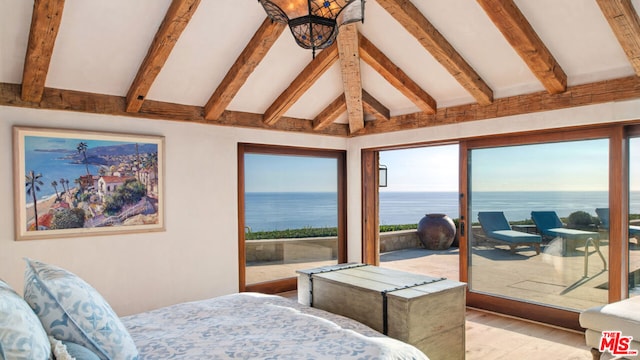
{"points": [[72, 310], [22, 336]]}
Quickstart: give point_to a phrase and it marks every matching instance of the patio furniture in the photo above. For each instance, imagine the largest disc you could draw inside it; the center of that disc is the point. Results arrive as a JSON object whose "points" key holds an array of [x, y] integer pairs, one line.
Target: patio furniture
{"points": [[551, 227], [623, 316], [603, 215], [495, 226]]}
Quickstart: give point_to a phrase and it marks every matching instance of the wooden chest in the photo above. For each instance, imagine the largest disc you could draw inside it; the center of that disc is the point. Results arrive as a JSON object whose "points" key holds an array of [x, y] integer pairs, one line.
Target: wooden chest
{"points": [[424, 311]]}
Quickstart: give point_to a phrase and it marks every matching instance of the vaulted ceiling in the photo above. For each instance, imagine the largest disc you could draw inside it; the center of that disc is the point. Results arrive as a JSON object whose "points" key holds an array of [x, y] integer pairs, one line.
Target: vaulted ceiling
{"points": [[410, 64]]}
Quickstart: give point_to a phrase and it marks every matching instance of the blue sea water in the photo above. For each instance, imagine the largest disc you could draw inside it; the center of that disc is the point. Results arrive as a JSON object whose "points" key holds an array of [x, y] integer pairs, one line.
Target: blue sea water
{"points": [[265, 211], [54, 166], [279, 211]]}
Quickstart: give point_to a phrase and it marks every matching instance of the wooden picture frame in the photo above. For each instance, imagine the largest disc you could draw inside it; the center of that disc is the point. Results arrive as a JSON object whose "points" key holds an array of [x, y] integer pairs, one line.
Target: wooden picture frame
{"points": [[70, 183]]}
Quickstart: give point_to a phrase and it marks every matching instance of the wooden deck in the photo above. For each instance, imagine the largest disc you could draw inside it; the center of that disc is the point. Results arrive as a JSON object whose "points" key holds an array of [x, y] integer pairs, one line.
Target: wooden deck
{"points": [[548, 278]]}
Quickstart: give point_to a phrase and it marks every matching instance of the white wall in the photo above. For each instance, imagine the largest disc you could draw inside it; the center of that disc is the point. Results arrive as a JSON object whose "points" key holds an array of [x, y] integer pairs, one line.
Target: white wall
{"points": [[196, 257]]}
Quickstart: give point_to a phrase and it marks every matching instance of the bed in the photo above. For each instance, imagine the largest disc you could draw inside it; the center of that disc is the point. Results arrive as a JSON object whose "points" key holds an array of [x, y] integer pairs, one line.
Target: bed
{"points": [[257, 326], [60, 312]]}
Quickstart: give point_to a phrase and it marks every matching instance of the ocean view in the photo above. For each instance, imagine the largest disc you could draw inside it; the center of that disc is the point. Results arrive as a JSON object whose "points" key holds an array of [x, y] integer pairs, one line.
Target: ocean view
{"points": [[280, 211], [55, 165]]}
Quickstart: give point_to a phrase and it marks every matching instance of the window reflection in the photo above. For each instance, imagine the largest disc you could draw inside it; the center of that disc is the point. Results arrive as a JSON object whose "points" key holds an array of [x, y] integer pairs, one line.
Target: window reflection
{"points": [[542, 196]]}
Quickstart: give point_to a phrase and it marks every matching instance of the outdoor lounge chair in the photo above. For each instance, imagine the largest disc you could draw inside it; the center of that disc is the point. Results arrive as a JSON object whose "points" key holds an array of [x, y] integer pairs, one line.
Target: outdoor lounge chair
{"points": [[550, 226], [495, 226], [603, 214]]}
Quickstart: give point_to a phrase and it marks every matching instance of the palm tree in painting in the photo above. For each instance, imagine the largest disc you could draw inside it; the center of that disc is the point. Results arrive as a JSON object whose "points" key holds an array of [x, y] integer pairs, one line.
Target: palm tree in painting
{"points": [[63, 182], [151, 161], [33, 183], [55, 188], [138, 164], [82, 149], [78, 185]]}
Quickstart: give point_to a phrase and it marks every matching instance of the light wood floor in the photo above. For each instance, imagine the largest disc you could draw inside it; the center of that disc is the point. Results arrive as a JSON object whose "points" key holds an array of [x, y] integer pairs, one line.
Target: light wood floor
{"points": [[492, 336]]}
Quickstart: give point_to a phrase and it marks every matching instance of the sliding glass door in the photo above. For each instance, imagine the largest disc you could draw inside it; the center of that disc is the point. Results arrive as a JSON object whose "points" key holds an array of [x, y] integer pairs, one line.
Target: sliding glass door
{"points": [[535, 235], [549, 222], [542, 219]]}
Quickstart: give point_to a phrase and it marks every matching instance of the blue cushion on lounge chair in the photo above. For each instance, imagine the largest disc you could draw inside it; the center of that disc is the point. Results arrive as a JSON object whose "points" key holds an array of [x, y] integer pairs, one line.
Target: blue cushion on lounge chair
{"points": [[514, 236], [572, 234], [495, 225], [549, 224], [546, 220], [603, 214], [493, 221]]}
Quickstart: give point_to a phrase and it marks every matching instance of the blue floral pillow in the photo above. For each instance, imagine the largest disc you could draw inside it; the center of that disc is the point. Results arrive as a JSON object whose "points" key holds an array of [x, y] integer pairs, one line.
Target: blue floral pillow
{"points": [[72, 310], [79, 352], [66, 350], [22, 336]]}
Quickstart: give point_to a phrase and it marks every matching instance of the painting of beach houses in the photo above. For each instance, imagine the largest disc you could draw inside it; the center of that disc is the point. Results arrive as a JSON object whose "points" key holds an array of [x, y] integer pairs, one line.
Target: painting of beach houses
{"points": [[78, 183]]}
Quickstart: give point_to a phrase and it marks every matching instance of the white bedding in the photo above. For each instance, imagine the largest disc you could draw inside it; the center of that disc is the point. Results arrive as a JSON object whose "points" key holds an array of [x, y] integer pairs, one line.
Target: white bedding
{"points": [[257, 326]]}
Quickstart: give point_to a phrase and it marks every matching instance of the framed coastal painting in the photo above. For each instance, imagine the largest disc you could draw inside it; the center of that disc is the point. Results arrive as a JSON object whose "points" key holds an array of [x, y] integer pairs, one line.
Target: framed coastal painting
{"points": [[78, 183]]}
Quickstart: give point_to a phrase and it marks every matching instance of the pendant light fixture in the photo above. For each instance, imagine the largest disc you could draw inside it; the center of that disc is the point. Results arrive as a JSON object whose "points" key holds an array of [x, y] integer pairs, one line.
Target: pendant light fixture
{"points": [[314, 23]]}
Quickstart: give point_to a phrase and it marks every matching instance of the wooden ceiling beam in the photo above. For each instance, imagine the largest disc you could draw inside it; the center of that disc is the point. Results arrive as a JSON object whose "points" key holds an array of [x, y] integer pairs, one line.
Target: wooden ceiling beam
{"points": [[312, 72], [525, 41], [329, 114], [625, 23], [374, 107], [395, 76], [175, 21], [608, 91], [430, 38], [45, 22], [110, 105], [253, 53], [349, 55]]}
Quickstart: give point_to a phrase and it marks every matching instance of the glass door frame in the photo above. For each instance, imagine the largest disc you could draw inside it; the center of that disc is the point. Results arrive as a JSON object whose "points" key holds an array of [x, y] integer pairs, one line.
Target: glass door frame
{"points": [[618, 204], [288, 284]]}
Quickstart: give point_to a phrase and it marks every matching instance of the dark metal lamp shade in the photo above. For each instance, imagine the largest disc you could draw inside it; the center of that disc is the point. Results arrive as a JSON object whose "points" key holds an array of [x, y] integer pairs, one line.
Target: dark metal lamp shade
{"points": [[382, 176], [314, 23]]}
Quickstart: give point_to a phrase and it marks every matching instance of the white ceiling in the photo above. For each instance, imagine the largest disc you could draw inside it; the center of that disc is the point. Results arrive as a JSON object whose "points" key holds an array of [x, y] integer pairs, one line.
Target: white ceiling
{"points": [[101, 44]]}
